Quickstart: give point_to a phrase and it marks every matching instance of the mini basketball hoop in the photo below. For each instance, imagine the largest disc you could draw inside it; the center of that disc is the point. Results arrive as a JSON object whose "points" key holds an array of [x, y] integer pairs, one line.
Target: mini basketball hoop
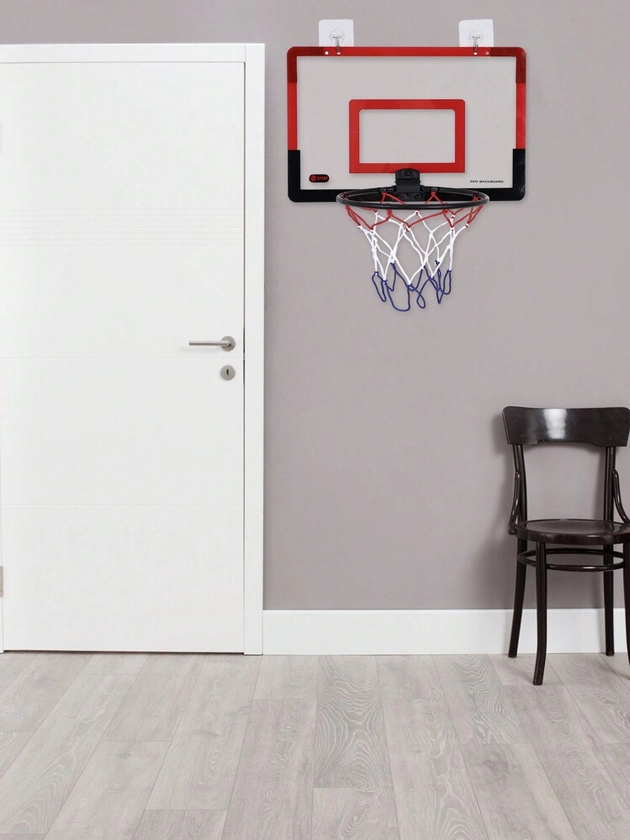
{"points": [[412, 231]]}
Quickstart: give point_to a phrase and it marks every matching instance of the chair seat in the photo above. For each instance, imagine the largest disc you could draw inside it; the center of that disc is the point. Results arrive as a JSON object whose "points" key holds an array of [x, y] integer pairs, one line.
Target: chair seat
{"points": [[574, 531]]}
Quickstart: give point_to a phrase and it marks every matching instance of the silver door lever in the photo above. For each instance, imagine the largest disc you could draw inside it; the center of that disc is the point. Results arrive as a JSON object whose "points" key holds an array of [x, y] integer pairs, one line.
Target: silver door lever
{"points": [[227, 343]]}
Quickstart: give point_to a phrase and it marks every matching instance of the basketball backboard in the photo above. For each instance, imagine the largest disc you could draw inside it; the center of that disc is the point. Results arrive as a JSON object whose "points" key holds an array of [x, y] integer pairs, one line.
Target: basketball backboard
{"points": [[358, 114]]}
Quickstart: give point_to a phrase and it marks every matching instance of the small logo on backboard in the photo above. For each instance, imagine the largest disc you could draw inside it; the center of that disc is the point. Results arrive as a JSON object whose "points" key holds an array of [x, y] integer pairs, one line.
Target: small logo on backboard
{"points": [[318, 179]]}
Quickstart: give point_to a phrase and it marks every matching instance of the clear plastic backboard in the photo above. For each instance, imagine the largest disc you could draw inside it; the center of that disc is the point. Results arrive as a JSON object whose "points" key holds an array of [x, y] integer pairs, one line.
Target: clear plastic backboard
{"points": [[358, 114]]}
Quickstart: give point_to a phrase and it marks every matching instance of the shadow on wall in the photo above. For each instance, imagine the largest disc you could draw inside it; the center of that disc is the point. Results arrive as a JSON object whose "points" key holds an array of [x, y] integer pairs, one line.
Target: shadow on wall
{"points": [[494, 559]]}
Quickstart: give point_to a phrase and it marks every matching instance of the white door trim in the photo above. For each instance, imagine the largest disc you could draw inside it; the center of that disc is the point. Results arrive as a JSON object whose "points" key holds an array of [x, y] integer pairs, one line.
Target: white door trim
{"points": [[253, 57], [255, 344]]}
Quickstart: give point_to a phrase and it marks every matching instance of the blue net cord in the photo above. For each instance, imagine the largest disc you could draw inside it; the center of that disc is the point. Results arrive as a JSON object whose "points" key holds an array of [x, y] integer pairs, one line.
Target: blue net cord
{"points": [[402, 295]]}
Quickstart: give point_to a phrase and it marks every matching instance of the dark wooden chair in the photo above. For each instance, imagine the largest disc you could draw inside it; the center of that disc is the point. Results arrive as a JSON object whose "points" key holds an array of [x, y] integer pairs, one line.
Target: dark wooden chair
{"points": [[607, 428]]}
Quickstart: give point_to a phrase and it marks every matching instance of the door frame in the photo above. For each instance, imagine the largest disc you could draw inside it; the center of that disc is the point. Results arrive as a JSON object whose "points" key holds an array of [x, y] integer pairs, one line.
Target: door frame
{"points": [[252, 56]]}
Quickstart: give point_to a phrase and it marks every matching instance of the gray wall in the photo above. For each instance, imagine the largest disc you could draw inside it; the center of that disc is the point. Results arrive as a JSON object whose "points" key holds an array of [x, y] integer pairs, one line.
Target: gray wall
{"points": [[388, 480]]}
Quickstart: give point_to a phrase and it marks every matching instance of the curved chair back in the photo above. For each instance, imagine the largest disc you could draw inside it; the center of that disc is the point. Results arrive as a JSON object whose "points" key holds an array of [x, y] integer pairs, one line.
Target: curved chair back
{"points": [[604, 427], [596, 426]]}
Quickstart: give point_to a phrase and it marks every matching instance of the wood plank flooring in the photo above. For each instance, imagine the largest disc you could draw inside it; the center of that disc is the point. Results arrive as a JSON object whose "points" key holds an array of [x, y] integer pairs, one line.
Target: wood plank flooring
{"points": [[228, 747]]}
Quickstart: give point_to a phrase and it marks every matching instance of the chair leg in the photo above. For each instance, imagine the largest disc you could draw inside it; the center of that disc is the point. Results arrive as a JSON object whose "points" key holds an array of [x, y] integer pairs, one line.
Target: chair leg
{"points": [[541, 612], [519, 595], [608, 603], [626, 590]]}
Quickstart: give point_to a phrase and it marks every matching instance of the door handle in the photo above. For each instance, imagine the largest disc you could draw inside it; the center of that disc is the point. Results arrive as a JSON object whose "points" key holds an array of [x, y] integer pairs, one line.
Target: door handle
{"points": [[227, 343]]}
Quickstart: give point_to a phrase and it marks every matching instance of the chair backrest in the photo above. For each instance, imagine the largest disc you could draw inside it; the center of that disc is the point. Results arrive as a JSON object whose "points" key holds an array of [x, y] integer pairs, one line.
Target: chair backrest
{"points": [[596, 426], [604, 427]]}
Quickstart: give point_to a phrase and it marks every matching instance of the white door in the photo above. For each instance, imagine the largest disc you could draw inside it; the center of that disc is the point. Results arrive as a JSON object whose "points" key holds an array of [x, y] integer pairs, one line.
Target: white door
{"points": [[121, 447]]}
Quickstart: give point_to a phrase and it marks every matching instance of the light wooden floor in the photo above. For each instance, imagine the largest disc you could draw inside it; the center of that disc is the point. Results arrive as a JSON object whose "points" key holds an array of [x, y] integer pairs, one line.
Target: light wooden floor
{"points": [[170, 747]]}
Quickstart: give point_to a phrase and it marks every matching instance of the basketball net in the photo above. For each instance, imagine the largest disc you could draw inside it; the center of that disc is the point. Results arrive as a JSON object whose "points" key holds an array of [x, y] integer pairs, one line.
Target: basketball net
{"points": [[412, 250]]}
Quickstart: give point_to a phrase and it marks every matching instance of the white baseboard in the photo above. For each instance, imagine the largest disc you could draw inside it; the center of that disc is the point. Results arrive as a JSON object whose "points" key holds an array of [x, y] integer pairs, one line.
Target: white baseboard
{"points": [[431, 631]]}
